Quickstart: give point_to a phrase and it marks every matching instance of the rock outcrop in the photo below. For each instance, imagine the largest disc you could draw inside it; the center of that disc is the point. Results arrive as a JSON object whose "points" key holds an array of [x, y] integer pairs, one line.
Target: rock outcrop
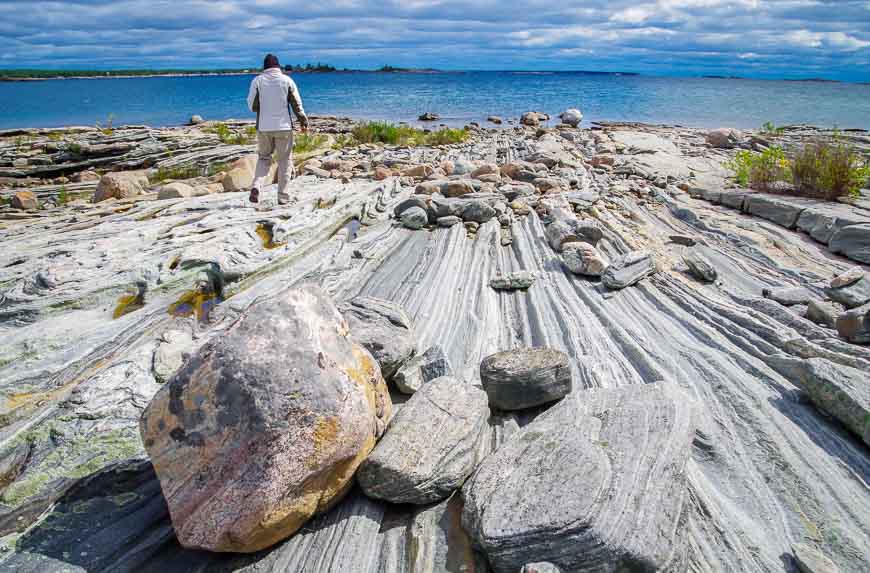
{"points": [[596, 483], [431, 447], [284, 378]]}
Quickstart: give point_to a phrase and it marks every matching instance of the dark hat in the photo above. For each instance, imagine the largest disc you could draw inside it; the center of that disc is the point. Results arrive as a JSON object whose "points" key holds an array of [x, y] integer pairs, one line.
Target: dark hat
{"points": [[270, 61]]}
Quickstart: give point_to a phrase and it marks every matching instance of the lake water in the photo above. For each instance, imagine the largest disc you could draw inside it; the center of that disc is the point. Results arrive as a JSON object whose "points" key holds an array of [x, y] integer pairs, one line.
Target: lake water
{"points": [[457, 97]]}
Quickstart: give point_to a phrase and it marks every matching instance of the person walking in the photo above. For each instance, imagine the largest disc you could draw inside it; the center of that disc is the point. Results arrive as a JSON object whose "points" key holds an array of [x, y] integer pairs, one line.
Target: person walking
{"points": [[269, 96]]}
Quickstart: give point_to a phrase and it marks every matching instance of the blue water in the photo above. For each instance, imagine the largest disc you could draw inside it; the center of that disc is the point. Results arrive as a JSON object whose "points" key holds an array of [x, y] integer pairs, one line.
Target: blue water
{"points": [[457, 97]]}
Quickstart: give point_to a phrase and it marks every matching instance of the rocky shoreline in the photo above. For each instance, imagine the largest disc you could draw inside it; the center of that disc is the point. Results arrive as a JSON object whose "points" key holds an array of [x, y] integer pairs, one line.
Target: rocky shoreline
{"points": [[701, 404]]}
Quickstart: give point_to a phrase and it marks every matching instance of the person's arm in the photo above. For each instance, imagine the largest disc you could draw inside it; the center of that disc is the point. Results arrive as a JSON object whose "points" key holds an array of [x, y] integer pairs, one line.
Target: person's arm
{"points": [[295, 102], [254, 97]]}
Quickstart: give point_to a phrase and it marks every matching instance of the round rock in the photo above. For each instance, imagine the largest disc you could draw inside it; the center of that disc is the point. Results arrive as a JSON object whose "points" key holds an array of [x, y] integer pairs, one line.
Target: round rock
{"points": [[525, 377], [414, 218]]}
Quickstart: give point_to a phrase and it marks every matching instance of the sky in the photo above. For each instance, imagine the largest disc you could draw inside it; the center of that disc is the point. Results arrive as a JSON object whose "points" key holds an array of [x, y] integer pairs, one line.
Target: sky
{"points": [[752, 38]]}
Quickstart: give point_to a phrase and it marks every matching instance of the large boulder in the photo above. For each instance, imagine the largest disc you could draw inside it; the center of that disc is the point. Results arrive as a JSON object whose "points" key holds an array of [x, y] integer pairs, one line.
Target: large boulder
{"points": [[848, 292], [628, 269], [572, 117], [414, 218], [176, 190], [839, 390], [724, 138], [525, 377], [597, 483], [533, 118], [782, 211], [121, 185], [384, 329], [700, 266], [284, 379], [431, 446]]}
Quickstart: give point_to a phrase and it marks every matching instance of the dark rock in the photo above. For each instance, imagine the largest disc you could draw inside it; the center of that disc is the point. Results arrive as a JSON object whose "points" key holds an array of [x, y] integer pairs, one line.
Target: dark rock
{"points": [[383, 328], [431, 446], [781, 211], [412, 201], [414, 218], [525, 377], [477, 211], [628, 269], [788, 296], [683, 240], [421, 369], [852, 241], [553, 491], [429, 116], [733, 199]]}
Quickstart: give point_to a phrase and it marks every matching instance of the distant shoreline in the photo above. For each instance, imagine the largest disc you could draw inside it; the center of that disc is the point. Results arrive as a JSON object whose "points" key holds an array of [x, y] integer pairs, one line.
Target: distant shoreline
{"points": [[128, 74]]}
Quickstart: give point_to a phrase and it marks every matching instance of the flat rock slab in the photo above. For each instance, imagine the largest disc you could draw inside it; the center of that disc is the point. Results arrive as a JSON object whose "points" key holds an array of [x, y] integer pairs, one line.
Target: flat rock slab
{"points": [[822, 220], [284, 378], [596, 483], [852, 241], [733, 199], [628, 269], [841, 391], [431, 446], [783, 212], [525, 377], [789, 296], [384, 329]]}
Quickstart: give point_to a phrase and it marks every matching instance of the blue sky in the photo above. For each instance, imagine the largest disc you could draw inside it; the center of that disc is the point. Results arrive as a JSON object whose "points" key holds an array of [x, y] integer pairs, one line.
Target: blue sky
{"points": [[757, 38]]}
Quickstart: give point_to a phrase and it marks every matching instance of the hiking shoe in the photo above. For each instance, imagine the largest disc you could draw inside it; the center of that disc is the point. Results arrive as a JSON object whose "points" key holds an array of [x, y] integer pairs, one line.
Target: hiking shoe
{"points": [[255, 196]]}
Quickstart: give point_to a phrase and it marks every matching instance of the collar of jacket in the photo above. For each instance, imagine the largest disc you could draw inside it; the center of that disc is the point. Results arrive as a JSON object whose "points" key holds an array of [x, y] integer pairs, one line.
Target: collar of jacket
{"points": [[273, 72]]}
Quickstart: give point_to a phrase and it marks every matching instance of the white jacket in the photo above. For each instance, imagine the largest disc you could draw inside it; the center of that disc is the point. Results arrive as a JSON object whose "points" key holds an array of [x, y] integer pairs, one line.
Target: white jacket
{"points": [[270, 93]]}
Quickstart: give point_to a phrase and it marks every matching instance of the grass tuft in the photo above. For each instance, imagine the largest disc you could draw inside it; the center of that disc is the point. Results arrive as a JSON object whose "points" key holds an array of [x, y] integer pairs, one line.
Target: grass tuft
{"points": [[306, 142], [830, 169], [383, 132], [178, 173], [231, 137]]}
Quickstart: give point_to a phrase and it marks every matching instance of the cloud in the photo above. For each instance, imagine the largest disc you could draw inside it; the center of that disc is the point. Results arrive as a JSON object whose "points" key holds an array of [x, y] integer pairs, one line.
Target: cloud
{"points": [[774, 38]]}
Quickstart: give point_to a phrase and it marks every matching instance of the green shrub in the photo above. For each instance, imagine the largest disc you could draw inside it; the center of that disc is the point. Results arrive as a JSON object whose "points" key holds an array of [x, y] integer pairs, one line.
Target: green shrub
{"points": [[383, 132], [62, 196], [74, 148], [344, 140], [230, 137], [830, 169], [216, 168], [179, 172], [305, 142], [760, 170], [770, 129]]}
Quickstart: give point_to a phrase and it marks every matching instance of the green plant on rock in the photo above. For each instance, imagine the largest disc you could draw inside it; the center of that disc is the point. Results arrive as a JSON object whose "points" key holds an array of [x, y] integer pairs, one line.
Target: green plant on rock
{"points": [[74, 148], [307, 142], [344, 140], [830, 169], [769, 128], [760, 170], [177, 173], [62, 196], [383, 132], [230, 137]]}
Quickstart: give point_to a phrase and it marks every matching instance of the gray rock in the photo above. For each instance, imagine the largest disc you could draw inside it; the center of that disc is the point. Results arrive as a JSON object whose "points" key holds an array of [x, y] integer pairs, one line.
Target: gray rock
{"points": [[839, 390], [854, 324], [572, 117], [463, 167], [412, 201], [823, 220], [733, 199], [431, 446], [584, 259], [848, 278], [284, 378], [448, 221], [852, 241], [384, 329], [628, 269], [421, 369], [570, 230], [518, 280], [414, 218], [525, 377], [782, 211], [477, 211], [789, 296], [700, 266], [824, 313], [174, 347], [554, 490], [810, 560], [196, 120], [516, 190], [853, 295]]}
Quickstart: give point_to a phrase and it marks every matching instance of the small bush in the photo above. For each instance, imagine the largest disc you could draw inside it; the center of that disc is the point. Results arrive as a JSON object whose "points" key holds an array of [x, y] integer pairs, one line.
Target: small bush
{"points": [[382, 132], [830, 169], [55, 136], [305, 142], [760, 170], [344, 140], [770, 129], [230, 137], [179, 172], [107, 129], [74, 148], [62, 196]]}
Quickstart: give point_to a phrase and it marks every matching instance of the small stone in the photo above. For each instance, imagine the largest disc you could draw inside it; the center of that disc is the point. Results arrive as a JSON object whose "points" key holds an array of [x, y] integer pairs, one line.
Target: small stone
{"points": [[429, 116], [848, 278], [121, 185], [824, 313], [520, 207], [419, 171], [85, 176], [412, 201], [788, 296], [700, 266], [421, 369], [414, 218], [547, 184], [811, 560], [196, 120], [471, 227], [463, 167], [854, 294], [175, 190], [458, 188], [583, 259], [572, 117], [477, 211], [448, 221], [25, 200], [628, 269], [486, 169], [495, 119], [682, 240], [525, 377], [518, 280], [854, 324]]}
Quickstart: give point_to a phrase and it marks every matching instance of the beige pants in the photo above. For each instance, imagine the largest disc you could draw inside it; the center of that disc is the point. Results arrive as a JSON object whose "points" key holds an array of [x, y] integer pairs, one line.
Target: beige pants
{"points": [[279, 144]]}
